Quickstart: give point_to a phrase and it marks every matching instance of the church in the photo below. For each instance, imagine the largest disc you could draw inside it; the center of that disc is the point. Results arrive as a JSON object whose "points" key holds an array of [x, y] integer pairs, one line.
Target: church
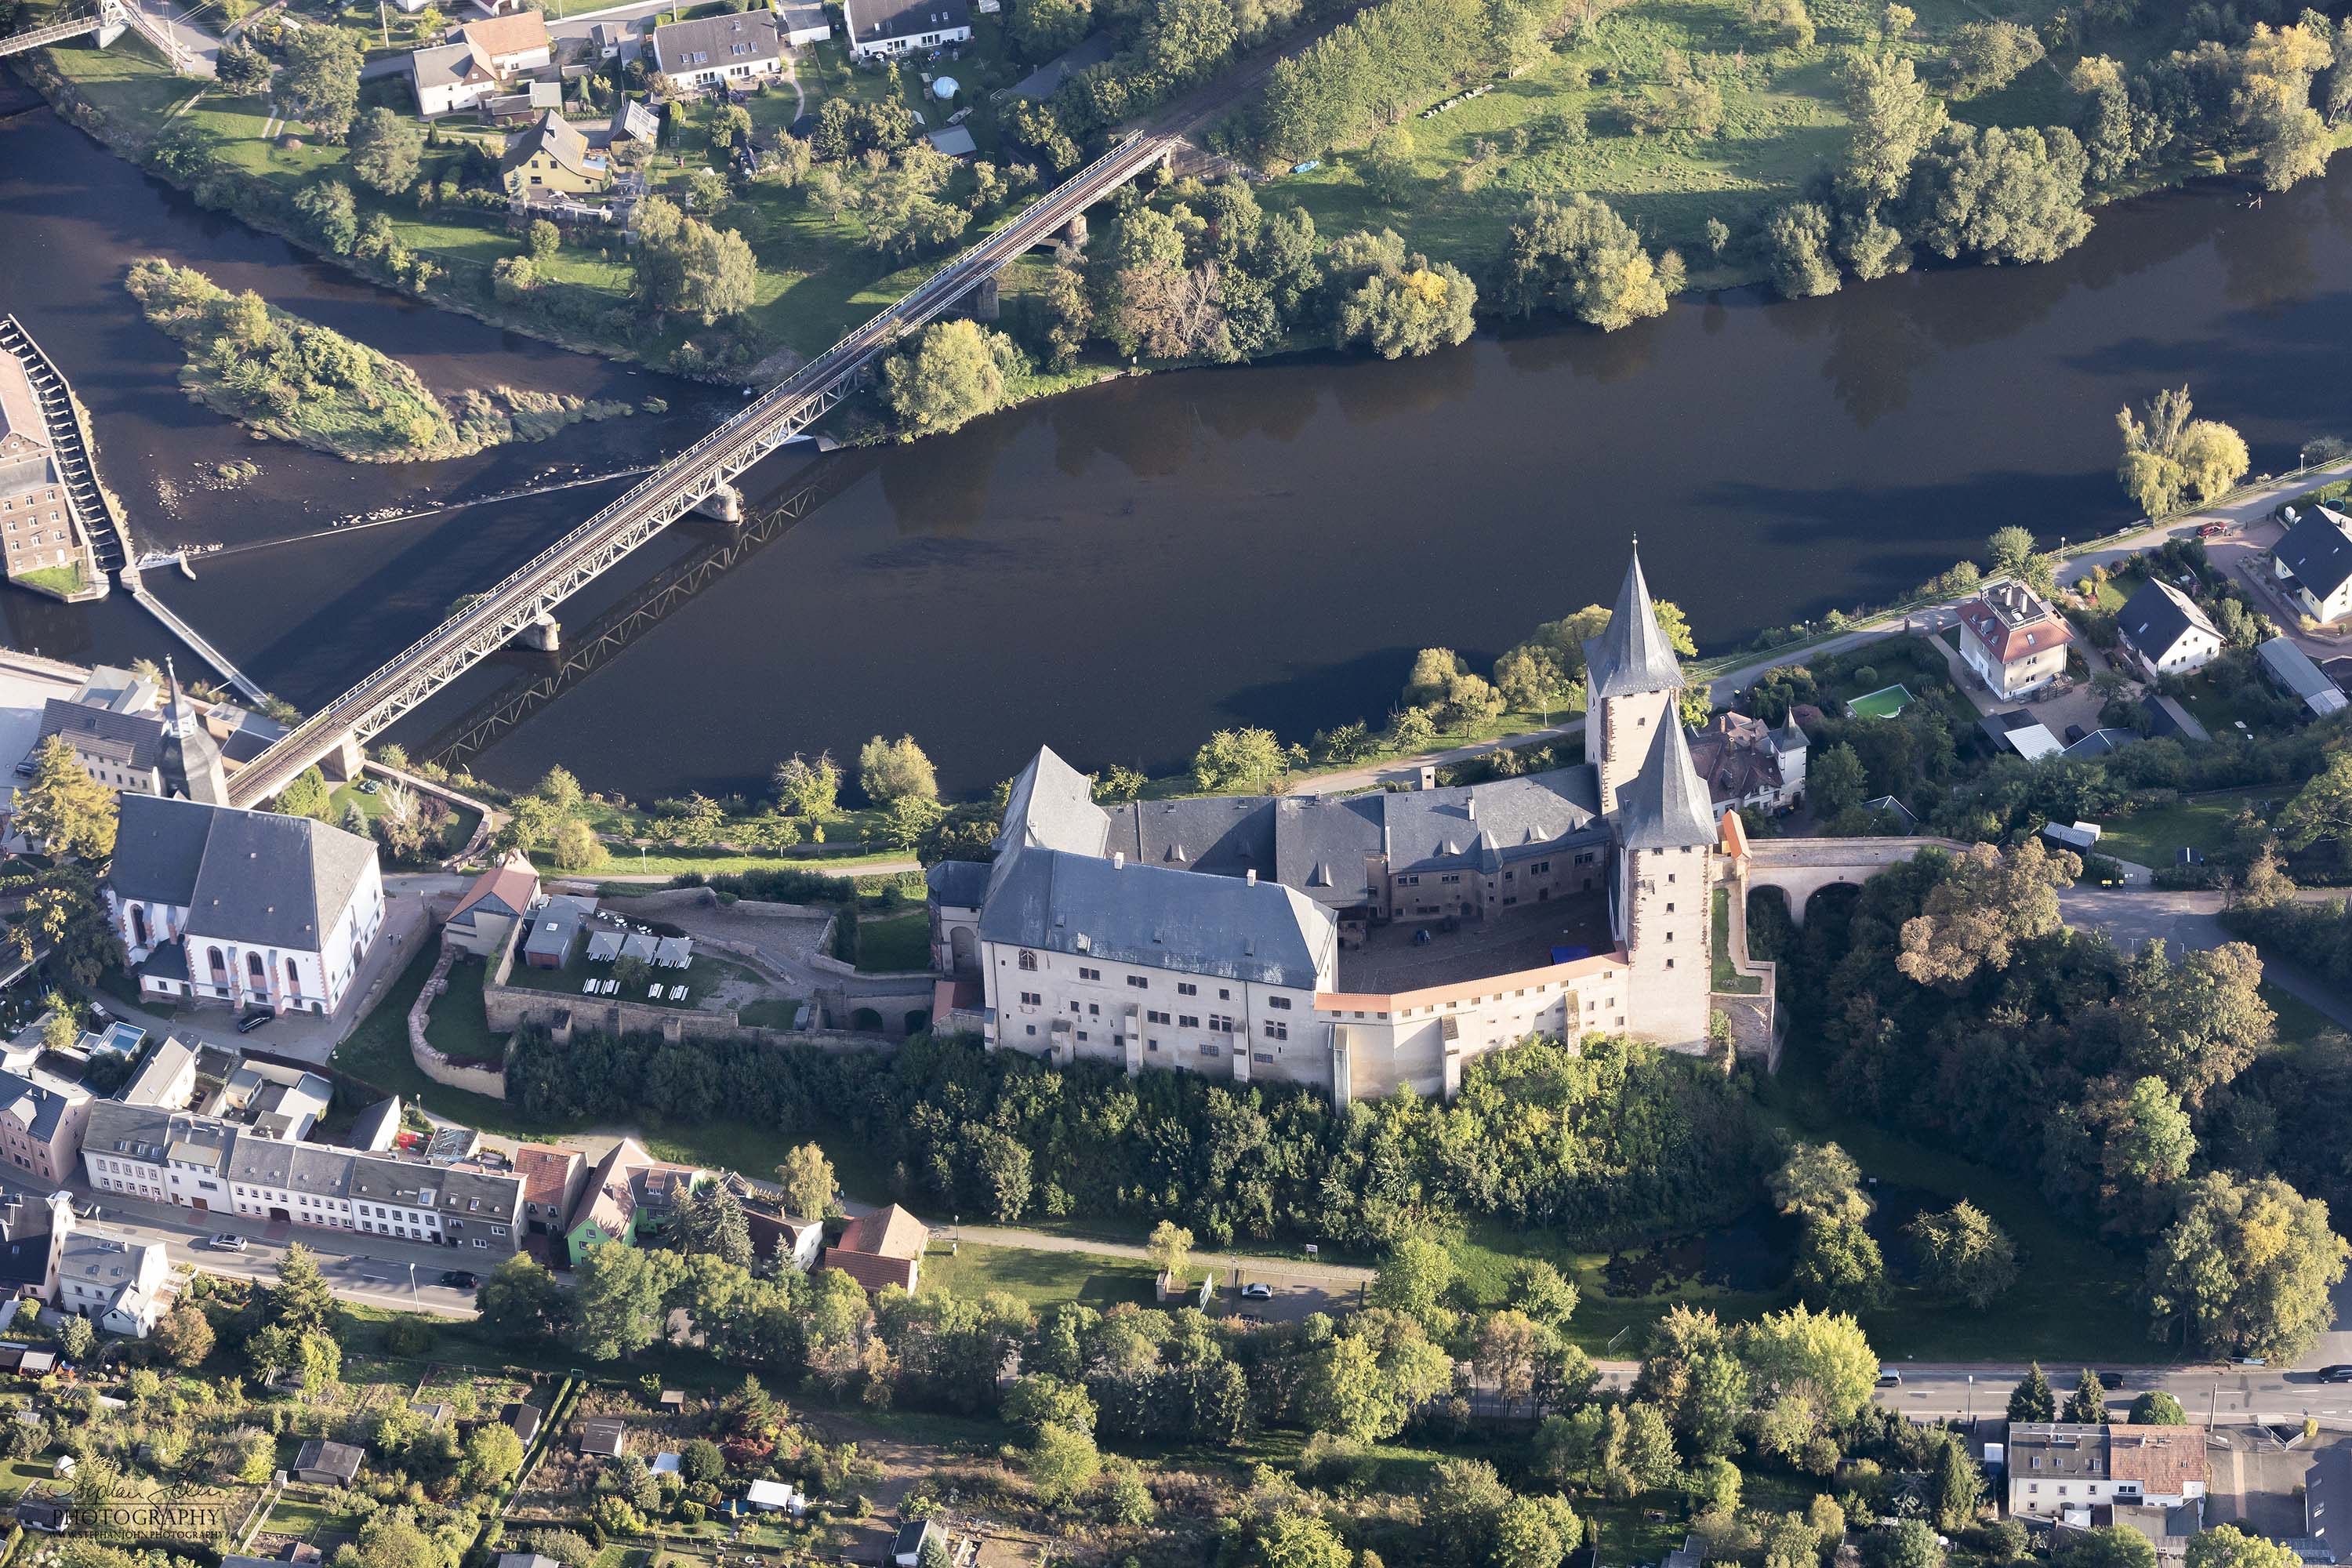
{"points": [[1357, 944]]}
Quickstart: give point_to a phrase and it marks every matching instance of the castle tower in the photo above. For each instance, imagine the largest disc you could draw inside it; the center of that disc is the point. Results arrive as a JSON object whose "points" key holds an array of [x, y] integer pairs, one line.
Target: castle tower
{"points": [[1665, 895], [1789, 743], [189, 760], [1631, 688]]}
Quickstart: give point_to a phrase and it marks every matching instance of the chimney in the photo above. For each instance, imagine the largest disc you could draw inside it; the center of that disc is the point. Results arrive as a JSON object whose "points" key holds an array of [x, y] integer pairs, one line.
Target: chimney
{"points": [[1428, 777], [1470, 806], [1252, 875], [1118, 860]]}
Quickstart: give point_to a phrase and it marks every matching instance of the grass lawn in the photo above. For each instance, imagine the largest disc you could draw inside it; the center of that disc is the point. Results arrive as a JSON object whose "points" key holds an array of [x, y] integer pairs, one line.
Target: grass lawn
{"points": [[2221, 711], [457, 1026], [781, 1013], [457, 827], [55, 579], [1485, 1255], [1886, 702], [1040, 1278], [1727, 979], [2153, 837], [888, 944]]}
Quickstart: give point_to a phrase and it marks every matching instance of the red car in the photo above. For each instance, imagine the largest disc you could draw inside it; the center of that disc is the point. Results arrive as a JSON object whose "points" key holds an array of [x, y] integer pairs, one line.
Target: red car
{"points": [[2213, 531]]}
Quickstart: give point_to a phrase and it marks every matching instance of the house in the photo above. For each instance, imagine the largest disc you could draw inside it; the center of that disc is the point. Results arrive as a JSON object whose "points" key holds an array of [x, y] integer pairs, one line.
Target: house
{"points": [[776, 1496], [607, 1435], [325, 1464], [487, 909], [142, 751], [2013, 639], [550, 158], [377, 1127], [1744, 761], [39, 529], [551, 1179], [32, 1242], [1888, 804], [2291, 671], [524, 1419], [247, 908], [42, 1117], [953, 141], [490, 53], [803, 22], [2166, 632], [2056, 1466], [734, 48], [2313, 562], [794, 1243], [882, 1249], [53, 1514], [167, 1079], [527, 1560], [884, 28], [906, 1549], [117, 1283], [2165, 716], [628, 1194], [556, 923], [2020, 732]]}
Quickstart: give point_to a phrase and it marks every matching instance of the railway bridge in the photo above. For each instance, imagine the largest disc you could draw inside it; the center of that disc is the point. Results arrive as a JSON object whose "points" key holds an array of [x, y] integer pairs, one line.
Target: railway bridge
{"points": [[697, 480], [109, 22]]}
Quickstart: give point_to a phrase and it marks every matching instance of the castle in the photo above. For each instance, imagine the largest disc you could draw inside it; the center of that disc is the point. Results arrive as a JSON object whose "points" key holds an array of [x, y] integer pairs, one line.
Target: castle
{"points": [[1356, 944]]}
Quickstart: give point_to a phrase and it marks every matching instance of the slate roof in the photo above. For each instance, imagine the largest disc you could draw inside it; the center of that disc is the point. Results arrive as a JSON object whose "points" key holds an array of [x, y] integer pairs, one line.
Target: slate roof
{"points": [[1321, 846], [25, 1259], [340, 1460], [130, 740], [1737, 756], [1150, 915], [875, 21], [737, 38], [95, 1255], [2063, 1449], [376, 1126], [253, 877], [1665, 806], [558, 138], [459, 1193], [37, 1107], [1050, 805], [960, 884], [1632, 655], [1483, 825], [1227, 835], [2318, 550], [2158, 616]]}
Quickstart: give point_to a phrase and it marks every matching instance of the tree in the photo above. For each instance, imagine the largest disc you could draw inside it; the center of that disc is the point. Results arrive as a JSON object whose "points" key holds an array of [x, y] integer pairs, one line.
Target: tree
{"points": [[1044, 28], [385, 150], [64, 809], [1821, 1359], [2088, 1403], [1985, 57], [807, 789], [1241, 762], [300, 1302], [2197, 1024], [576, 847], [2002, 195], [244, 69], [2321, 810], [1061, 1463], [2227, 1546], [2246, 1268], [519, 1299], [953, 374], [1797, 247], [544, 239], [896, 769], [1835, 781], [712, 1222], [1037, 1400], [2033, 1399], [2156, 1409], [1958, 1487], [1985, 906], [185, 1336], [306, 796], [1170, 1248], [1894, 118], [319, 82], [1908, 1544], [729, 123], [1637, 1451], [492, 1452], [807, 1180], [2109, 1546], [1963, 1253], [1579, 257], [616, 1301], [1539, 1289], [76, 1336], [1839, 1265], [1820, 1182], [718, 274], [2170, 459], [1398, 304], [1412, 1281], [1386, 167]]}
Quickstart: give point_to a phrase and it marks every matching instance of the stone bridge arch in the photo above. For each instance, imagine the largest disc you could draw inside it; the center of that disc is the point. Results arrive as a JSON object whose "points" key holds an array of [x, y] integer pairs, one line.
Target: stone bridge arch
{"points": [[1800, 867]]}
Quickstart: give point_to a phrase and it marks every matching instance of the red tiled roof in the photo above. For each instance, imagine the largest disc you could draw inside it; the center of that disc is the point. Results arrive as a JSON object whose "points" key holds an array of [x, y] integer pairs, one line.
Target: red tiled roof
{"points": [[512, 884], [889, 1232], [546, 1172], [2162, 1459], [2008, 643], [509, 35]]}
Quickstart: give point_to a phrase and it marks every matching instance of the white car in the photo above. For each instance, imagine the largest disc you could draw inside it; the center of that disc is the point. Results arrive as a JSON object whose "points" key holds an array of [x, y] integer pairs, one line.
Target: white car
{"points": [[1257, 1292], [225, 1242]]}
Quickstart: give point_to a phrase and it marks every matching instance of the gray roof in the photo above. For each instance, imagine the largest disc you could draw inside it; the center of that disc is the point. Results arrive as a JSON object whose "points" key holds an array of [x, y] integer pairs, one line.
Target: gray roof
{"points": [[131, 1131], [377, 1125], [24, 1255], [1322, 846], [253, 877], [1665, 806], [1632, 655], [132, 739], [295, 1167], [337, 1458], [188, 757], [1051, 805], [557, 923], [873, 21], [961, 884], [1228, 835], [734, 40], [631, 122], [1486, 823], [459, 1193], [1148, 915], [2292, 669], [100, 1255], [2153, 619], [40, 1106], [2318, 551], [2059, 1449], [166, 1062]]}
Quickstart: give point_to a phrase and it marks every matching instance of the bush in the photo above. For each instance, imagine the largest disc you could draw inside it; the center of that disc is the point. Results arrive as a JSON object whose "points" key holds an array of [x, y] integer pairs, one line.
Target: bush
{"points": [[1866, 677]]}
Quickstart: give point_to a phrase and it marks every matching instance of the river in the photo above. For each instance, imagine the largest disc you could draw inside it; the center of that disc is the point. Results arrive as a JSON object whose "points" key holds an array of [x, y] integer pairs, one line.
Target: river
{"points": [[1119, 571]]}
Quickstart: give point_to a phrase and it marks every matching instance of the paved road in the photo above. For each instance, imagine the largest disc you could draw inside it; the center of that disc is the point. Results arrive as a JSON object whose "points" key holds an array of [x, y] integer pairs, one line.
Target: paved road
{"points": [[2186, 921]]}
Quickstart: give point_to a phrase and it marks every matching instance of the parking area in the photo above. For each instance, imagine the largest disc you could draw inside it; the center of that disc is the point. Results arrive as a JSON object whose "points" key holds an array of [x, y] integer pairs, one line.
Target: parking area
{"points": [[1289, 1298]]}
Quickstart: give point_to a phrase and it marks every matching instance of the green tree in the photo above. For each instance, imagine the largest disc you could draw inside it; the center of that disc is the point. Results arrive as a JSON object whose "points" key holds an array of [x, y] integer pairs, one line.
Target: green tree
{"points": [[1061, 1463], [1963, 1253], [712, 1221], [729, 123], [544, 239], [1908, 1544], [386, 149], [2227, 1546], [808, 788], [807, 1180], [2321, 811], [2109, 1546], [319, 82], [300, 1301], [576, 847], [1581, 259], [2033, 1399], [1835, 781], [2171, 459], [1244, 761], [2246, 1268], [1412, 1281], [1987, 905], [1539, 1289], [1044, 28], [2196, 1024], [2001, 194], [1985, 57], [1398, 304], [492, 1452], [1839, 1265], [1819, 1358], [63, 808], [2156, 1409], [1958, 1487], [952, 375], [1170, 1248], [1820, 1182], [2088, 1403], [75, 1338], [1386, 167], [1894, 117], [616, 1301], [896, 769], [1037, 1400], [307, 795], [185, 1336], [1797, 247]]}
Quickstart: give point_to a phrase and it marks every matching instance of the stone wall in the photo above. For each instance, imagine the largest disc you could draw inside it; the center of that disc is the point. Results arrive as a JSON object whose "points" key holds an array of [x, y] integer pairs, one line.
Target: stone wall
{"points": [[510, 1007], [491, 1081]]}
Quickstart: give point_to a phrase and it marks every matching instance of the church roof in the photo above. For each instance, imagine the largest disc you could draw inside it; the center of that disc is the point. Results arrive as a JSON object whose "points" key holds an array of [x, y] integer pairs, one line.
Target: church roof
{"points": [[1631, 656], [1665, 806]]}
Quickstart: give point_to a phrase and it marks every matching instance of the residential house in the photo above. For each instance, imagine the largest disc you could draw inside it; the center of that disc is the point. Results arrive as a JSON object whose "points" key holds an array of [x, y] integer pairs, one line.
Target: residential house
{"points": [[906, 1549], [32, 1240], [551, 1180], [803, 22], [556, 923], [2313, 562], [488, 908], [2056, 1466], [629, 1193], [53, 1513], [117, 1283], [734, 48], [2327, 1501], [40, 531], [1744, 761], [487, 57], [550, 158], [796, 1243], [2166, 631], [325, 1464], [247, 908], [42, 1117], [165, 1080], [142, 749], [604, 1436], [2013, 639], [524, 1419], [377, 1129], [881, 1249], [886, 28], [2292, 672]]}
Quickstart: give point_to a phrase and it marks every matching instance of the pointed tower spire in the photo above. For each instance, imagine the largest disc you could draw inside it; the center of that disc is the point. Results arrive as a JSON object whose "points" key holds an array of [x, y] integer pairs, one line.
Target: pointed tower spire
{"points": [[189, 760], [1632, 655], [1666, 805]]}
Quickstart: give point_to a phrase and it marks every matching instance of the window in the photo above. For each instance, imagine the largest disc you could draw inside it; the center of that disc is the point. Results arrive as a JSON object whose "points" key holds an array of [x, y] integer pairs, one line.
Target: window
{"points": [[1187, 1020], [1028, 999], [1186, 988], [1093, 1009], [1670, 906], [1139, 982], [1277, 1031], [1280, 1003], [1155, 1018], [1028, 959], [1086, 973], [1224, 996]]}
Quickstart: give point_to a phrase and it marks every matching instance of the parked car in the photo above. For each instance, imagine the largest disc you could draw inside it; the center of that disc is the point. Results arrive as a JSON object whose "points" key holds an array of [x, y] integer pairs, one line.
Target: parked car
{"points": [[1889, 1378], [253, 1021], [1257, 1293], [2248, 1361], [225, 1242], [2111, 1380], [2213, 531], [2340, 1373], [458, 1279]]}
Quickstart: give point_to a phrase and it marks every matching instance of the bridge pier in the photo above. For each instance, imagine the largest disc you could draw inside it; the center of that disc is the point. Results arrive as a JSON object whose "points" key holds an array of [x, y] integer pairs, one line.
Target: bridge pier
{"points": [[545, 635], [112, 31], [982, 303], [724, 503], [345, 761]]}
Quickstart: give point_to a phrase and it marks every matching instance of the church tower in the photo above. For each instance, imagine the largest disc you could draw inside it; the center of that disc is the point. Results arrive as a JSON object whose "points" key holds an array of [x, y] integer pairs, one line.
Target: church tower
{"points": [[1632, 686], [189, 760], [1666, 890]]}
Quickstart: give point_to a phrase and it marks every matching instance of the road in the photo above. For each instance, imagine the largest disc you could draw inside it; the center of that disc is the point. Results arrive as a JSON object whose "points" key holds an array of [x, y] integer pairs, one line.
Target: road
{"points": [[2184, 921]]}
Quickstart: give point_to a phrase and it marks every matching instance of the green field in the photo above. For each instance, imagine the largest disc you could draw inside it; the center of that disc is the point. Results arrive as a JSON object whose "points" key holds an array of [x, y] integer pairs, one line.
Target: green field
{"points": [[892, 945], [1886, 702], [455, 1026], [1040, 1278], [2155, 835], [1728, 980]]}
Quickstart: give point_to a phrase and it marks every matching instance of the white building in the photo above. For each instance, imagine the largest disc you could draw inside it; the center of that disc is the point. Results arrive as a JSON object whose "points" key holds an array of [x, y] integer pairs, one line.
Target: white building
{"points": [[803, 22], [2313, 562], [247, 908], [489, 55], [736, 48], [117, 1283], [884, 27], [2057, 1466], [2166, 632], [2013, 640]]}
